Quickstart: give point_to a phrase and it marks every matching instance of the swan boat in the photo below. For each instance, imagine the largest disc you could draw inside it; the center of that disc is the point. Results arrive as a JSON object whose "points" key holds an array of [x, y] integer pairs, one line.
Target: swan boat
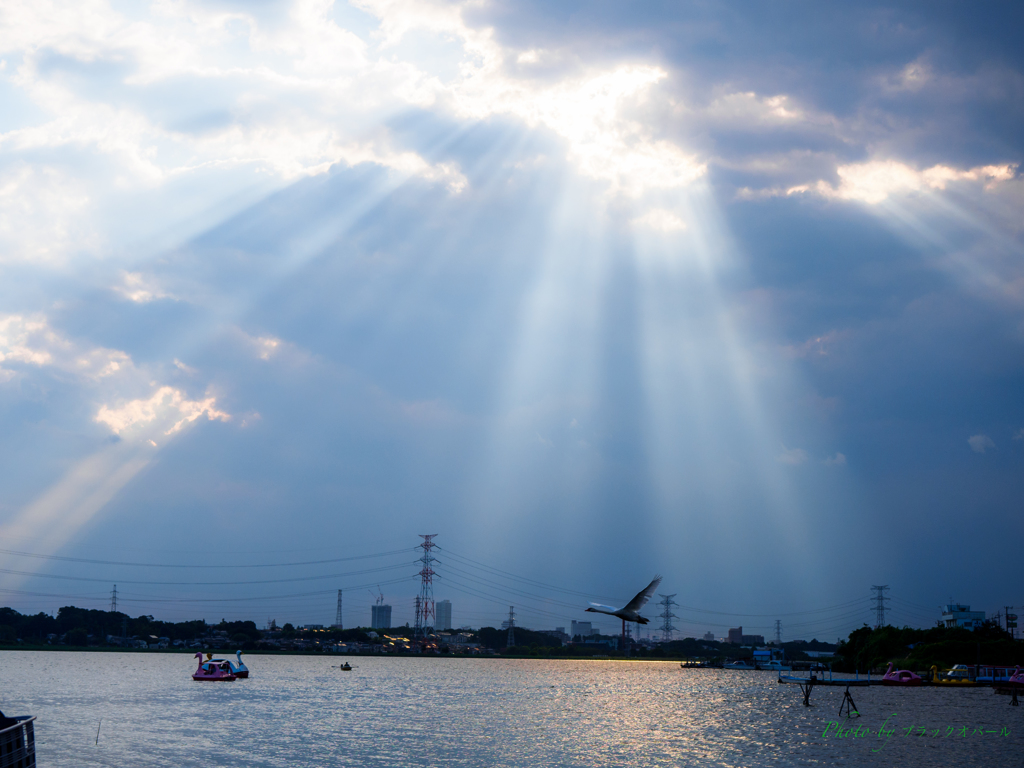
{"points": [[958, 675], [213, 669], [902, 677], [1017, 678], [238, 668]]}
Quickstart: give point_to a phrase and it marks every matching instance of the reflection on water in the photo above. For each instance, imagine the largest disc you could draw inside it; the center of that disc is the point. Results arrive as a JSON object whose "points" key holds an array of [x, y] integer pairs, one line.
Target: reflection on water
{"points": [[297, 711]]}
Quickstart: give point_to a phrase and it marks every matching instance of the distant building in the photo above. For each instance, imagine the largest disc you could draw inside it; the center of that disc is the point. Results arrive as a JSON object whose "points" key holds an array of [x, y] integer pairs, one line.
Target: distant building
{"points": [[442, 615], [380, 617], [736, 637], [558, 633], [709, 636], [583, 628], [957, 615]]}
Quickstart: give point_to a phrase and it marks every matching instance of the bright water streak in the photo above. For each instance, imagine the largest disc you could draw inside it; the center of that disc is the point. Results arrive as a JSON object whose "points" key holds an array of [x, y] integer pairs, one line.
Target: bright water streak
{"points": [[298, 711]]}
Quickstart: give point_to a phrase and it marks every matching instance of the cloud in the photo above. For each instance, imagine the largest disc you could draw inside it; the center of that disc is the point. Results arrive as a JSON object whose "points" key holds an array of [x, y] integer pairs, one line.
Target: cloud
{"points": [[1019, 434], [744, 108], [980, 443], [44, 215], [30, 341], [135, 287], [792, 456], [838, 460], [167, 411], [592, 113], [661, 220], [874, 182]]}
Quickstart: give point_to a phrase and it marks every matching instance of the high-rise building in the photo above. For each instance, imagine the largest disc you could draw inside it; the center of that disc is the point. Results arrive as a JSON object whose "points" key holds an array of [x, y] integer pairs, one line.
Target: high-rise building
{"points": [[584, 628], [380, 617], [443, 615]]}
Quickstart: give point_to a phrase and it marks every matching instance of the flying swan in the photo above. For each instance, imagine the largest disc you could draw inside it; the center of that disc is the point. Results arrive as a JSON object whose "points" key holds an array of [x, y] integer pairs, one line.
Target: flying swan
{"points": [[631, 611]]}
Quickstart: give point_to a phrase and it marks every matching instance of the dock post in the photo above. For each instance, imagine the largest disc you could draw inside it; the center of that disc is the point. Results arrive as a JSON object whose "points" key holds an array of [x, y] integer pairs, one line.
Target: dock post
{"points": [[805, 688]]}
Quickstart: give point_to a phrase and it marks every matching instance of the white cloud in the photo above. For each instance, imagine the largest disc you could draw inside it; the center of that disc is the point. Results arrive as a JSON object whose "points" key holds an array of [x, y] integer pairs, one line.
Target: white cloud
{"points": [[31, 341], [661, 220], [592, 112], [913, 77], [980, 443], [43, 215], [298, 97], [838, 460], [1019, 434], [167, 410], [873, 182], [792, 456], [747, 107], [140, 289]]}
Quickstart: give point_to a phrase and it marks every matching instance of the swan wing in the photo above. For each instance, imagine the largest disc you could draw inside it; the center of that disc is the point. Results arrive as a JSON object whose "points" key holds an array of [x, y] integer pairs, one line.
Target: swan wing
{"points": [[642, 597]]}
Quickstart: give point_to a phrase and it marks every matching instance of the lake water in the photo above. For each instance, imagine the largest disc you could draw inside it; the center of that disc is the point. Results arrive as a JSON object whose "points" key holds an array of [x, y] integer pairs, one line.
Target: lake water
{"points": [[392, 711]]}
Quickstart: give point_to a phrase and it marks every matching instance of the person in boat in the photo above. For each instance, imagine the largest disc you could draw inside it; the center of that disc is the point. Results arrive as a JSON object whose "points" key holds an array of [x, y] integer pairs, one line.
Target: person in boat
{"points": [[346, 666]]}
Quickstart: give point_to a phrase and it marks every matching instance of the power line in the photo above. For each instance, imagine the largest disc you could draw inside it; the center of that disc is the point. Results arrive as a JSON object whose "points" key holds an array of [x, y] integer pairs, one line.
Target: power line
{"points": [[481, 566], [211, 583], [190, 565]]}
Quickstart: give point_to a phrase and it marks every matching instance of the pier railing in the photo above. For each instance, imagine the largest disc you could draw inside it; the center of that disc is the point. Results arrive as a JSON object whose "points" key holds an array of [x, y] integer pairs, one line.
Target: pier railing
{"points": [[18, 744]]}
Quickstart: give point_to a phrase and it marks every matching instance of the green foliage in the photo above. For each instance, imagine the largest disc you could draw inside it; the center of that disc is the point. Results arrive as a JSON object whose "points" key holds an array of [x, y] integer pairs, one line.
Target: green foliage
{"points": [[525, 639], [919, 649], [77, 636], [34, 629]]}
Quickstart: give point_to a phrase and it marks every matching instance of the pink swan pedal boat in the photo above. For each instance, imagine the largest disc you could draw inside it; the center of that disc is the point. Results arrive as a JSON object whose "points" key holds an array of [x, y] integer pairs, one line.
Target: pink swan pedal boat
{"points": [[900, 677], [214, 669], [1017, 678]]}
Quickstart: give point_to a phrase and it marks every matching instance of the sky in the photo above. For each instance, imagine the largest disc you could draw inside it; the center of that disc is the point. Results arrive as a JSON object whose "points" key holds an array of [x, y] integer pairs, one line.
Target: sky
{"points": [[727, 292]]}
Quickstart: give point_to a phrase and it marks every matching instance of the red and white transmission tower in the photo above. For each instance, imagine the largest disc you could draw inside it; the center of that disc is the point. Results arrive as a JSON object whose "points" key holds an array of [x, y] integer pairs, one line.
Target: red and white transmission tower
{"points": [[426, 615]]}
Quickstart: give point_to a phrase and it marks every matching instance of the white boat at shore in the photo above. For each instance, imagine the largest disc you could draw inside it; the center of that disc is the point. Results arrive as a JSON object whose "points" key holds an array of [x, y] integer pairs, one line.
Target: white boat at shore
{"points": [[775, 666], [739, 664]]}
